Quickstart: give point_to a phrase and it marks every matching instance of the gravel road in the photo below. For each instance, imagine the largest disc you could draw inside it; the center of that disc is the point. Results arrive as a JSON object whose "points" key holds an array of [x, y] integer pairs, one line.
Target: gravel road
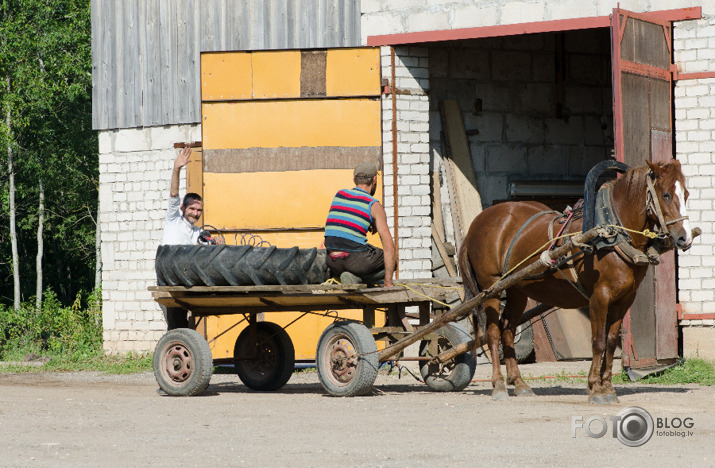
{"points": [[90, 419]]}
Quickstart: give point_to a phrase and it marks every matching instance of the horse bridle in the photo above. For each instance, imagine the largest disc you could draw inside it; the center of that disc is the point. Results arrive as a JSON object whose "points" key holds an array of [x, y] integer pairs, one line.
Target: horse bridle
{"points": [[652, 207]]}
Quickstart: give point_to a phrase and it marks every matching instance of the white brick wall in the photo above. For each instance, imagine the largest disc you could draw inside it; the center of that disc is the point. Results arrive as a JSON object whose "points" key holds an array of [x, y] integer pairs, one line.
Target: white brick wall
{"points": [[134, 174], [694, 51], [413, 179], [395, 17]]}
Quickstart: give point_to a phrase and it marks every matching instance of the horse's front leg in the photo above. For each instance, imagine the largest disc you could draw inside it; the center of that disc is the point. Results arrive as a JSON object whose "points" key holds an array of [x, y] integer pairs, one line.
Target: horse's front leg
{"points": [[515, 305], [493, 333], [614, 337], [615, 321], [598, 309]]}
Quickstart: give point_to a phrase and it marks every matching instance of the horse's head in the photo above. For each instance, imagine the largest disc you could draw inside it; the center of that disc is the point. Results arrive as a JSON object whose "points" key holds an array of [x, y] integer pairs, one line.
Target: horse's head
{"points": [[667, 207]]}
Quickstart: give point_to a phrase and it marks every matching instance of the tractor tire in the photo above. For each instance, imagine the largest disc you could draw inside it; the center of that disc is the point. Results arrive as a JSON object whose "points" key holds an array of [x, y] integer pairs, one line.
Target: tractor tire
{"points": [[238, 265]]}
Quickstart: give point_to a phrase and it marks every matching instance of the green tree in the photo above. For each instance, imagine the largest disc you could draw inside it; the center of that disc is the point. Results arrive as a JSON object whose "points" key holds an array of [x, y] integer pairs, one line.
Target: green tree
{"points": [[45, 62]]}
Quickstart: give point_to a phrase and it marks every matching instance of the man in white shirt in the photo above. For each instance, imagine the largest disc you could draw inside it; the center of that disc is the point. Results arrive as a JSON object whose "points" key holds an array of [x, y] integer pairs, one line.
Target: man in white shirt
{"points": [[181, 216], [180, 228]]}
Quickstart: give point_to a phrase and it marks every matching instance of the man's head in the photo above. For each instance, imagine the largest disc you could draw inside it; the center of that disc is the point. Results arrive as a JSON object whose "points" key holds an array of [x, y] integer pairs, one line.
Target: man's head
{"points": [[192, 206], [366, 174]]}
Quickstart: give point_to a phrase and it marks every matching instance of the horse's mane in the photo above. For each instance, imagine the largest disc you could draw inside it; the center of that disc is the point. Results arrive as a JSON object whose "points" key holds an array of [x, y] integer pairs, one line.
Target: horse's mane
{"points": [[635, 179]]}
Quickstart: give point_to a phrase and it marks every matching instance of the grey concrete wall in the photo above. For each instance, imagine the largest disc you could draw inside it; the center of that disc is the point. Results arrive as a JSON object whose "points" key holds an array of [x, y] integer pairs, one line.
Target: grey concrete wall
{"points": [[521, 124]]}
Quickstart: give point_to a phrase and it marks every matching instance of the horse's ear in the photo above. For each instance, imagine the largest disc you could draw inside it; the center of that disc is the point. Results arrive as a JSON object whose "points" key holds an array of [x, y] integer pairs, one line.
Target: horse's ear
{"points": [[655, 169]]}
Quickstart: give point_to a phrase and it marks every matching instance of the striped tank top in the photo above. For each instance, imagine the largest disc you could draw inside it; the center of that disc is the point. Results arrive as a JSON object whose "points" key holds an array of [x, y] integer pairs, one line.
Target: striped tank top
{"points": [[349, 216]]}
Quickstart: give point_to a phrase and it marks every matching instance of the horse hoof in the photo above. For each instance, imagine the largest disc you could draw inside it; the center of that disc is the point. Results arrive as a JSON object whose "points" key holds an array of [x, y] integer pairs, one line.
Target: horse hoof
{"points": [[602, 399], [500, 395], [524, 392]]}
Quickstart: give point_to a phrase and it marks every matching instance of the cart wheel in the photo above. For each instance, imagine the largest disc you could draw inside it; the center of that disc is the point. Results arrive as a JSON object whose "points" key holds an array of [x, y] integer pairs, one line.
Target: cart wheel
{"points": [[455, 374], [267, 363], [182, 362], [347, 359]]}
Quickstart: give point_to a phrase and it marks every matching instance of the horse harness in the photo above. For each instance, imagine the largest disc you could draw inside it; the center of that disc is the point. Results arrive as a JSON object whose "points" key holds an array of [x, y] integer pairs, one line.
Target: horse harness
{"points": [[612, 238], [566, 219]]}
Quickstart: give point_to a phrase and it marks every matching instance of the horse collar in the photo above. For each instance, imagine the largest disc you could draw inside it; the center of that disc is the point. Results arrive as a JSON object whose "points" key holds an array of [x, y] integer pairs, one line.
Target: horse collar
{"points": [[621, 242]]}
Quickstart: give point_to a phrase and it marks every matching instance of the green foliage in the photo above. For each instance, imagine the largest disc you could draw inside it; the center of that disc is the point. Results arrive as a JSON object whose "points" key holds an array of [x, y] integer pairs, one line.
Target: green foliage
{"points": [[688, 371], [46, 86], [73, 332], [68, 337]]}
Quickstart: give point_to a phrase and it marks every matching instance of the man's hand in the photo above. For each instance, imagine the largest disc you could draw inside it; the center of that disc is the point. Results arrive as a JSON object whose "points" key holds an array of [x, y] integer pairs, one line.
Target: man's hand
{"points": [[182, 159]]}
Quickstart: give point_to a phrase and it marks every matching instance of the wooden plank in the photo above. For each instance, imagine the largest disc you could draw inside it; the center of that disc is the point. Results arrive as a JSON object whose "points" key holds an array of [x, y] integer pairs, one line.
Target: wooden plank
{"points": [[443, 253], [461, 169], [353, 72], [289, 158], [293, 123]]}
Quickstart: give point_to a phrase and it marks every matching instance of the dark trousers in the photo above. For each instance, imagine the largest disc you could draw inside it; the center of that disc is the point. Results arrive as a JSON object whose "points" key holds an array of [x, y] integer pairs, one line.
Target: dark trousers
{"points": [[363, 263], [175, 317]]}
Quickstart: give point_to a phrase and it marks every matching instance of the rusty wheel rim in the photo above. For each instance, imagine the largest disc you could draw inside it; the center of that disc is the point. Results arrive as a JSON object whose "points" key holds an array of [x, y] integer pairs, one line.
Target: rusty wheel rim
{"points": [[178, 363], [440, 370], [341, 360]]}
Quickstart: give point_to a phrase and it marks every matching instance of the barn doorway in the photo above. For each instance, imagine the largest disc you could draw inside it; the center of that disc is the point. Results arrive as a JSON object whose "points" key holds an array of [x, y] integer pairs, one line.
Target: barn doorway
{"points": [[541, 109]]}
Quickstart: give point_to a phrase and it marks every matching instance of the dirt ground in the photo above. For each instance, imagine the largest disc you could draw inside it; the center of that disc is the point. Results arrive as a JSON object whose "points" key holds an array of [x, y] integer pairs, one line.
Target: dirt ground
{"points": [[89, 419]]}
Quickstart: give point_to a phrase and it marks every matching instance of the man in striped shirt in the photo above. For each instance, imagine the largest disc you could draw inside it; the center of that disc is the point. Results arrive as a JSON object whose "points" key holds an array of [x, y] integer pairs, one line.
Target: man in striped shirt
{"points": [[352, 214]]}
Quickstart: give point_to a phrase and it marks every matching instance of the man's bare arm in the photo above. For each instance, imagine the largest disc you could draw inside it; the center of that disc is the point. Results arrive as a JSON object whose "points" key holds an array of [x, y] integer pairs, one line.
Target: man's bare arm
{"points": [[181, 160], [388, 245]]}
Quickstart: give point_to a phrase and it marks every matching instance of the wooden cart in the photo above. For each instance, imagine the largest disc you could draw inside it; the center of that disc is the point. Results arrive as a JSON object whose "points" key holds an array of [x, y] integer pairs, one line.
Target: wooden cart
{"points": [[347, 351], [347, 355]]}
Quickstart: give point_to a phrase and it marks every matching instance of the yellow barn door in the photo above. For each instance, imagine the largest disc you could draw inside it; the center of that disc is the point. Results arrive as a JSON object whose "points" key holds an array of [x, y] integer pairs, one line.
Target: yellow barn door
{"points": [[282, 132]]}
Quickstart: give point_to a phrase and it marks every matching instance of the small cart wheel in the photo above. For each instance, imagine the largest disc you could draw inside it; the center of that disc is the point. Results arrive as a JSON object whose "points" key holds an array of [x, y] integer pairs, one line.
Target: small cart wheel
{"points": [[455, 374], [266, 362], [182, 362], [347, 359]]}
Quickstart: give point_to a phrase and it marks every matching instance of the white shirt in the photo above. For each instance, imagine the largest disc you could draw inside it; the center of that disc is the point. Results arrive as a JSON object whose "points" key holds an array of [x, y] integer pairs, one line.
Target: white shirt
{"points": [[177, 230]]}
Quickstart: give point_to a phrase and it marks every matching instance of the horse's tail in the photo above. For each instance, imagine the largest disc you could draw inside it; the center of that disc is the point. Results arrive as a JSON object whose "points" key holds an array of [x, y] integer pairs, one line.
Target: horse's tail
{"points": [[471, 288]]}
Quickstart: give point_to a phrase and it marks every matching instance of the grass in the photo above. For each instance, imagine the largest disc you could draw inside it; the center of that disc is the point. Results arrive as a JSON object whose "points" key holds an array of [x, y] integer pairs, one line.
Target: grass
{"points": [[125, 364], [689, 371]]}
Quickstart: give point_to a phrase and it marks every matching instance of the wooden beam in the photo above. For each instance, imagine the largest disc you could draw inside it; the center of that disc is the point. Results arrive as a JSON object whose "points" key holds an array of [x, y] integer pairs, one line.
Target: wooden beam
{"points": [[465, 200]]}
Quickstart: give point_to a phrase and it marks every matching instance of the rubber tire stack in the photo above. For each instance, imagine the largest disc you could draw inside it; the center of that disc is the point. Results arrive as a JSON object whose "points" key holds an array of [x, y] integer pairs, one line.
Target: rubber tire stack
{"points": [[238, 265]]}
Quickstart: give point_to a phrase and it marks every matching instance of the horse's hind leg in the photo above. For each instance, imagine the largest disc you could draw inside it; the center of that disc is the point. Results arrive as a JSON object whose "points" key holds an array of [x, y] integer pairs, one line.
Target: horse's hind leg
{"points": [[515, 305], [491, 308]]}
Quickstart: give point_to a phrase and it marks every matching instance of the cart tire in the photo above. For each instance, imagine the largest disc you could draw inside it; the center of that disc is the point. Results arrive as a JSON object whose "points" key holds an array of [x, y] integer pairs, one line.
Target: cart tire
{"points": [[275, 362], [455, 374], [347, 359], [182, 362], [523, 343], [238, 265]]}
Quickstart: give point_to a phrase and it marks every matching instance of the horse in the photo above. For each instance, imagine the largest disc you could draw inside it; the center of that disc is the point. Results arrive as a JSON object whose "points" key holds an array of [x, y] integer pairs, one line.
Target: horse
{"points": [[651, 197]]}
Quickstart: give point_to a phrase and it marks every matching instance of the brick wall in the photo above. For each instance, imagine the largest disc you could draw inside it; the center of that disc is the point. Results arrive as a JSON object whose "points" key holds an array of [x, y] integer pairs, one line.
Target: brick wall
{"points": [[134, 174], [519, 125], [413, 179], [694, 52]]}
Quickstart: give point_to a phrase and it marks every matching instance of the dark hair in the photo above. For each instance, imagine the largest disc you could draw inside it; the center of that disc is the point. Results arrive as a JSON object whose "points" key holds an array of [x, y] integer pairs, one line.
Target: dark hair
{"points": [[361, 179], [191, 197]]}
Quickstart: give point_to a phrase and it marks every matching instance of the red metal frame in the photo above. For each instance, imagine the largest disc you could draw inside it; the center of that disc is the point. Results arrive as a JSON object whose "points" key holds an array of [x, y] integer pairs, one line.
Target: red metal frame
{"points": [[684, 316], [678, 14]]}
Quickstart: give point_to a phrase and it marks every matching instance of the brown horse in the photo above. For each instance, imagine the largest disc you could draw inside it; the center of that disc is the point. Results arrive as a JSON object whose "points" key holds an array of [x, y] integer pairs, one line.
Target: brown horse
{"points": [[605, 281]]}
